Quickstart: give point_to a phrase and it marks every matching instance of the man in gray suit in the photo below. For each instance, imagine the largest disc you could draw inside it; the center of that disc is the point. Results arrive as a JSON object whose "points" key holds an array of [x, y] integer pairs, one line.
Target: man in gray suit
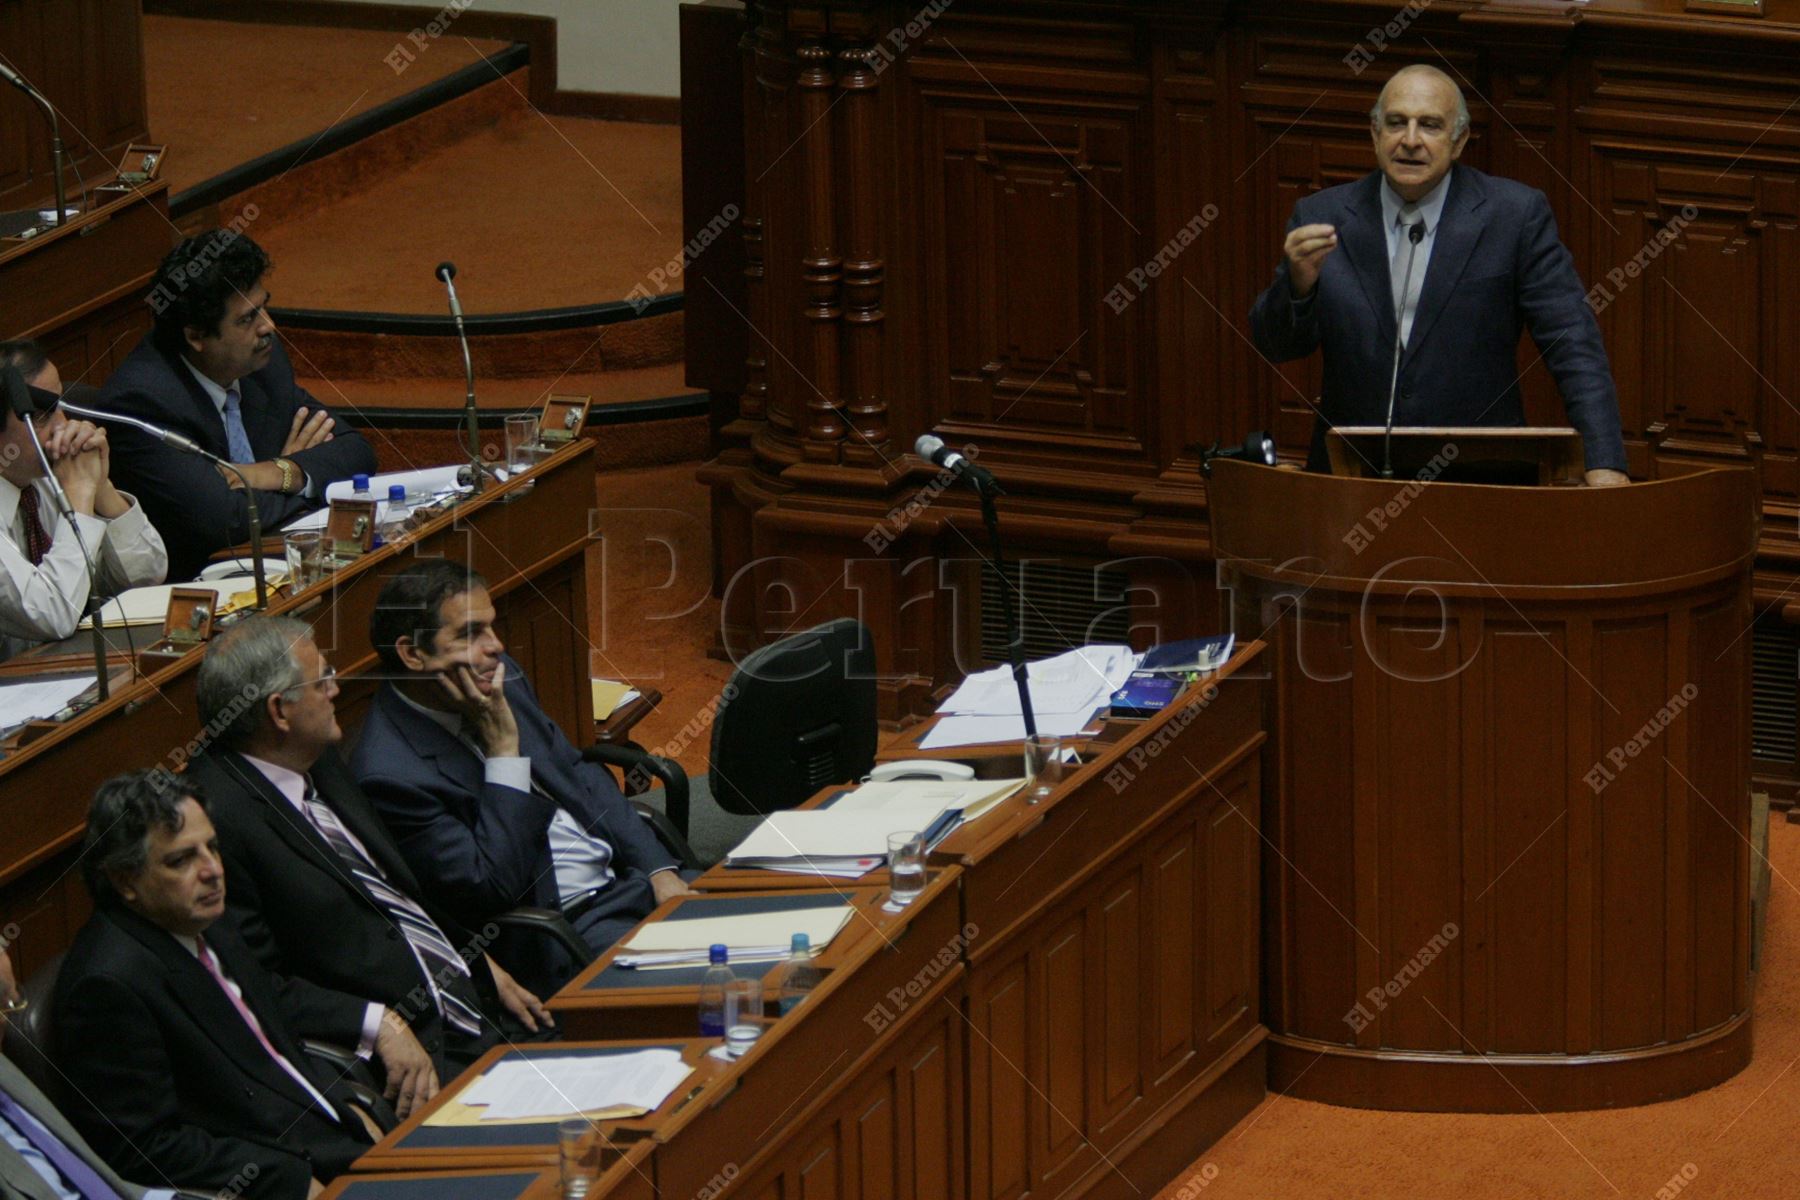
{"points": [[41, 1155]]}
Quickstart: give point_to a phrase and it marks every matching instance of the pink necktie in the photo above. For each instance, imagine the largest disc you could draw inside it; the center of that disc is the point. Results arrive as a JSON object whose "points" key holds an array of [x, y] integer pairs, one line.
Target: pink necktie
{"points": [[211, 963]]}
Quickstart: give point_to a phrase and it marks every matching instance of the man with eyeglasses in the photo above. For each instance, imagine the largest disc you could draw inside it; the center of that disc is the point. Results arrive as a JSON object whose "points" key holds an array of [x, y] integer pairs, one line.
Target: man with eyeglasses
{"points": [[213, 370], [1451, 263], [43, 570], [397, 978]]}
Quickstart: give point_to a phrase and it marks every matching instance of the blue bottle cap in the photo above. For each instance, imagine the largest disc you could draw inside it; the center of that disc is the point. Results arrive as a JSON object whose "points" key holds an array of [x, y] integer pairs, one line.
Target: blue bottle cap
{"points": [[396, 491], [718, 953], [359, 483], [801, 942]]}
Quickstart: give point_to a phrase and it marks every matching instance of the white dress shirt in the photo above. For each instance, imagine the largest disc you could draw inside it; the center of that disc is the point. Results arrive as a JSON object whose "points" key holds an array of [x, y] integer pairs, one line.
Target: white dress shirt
{"points": [[45, 603]]}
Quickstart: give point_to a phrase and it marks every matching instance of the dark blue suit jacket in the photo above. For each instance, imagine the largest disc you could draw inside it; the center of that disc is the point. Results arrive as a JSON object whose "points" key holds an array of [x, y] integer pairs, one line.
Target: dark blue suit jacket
{"points": [[480, 849], [1497, 267], [193, 508]]}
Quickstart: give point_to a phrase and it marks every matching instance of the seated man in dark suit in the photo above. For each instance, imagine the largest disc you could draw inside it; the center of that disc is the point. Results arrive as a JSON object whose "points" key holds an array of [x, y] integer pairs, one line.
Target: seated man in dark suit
{"points": [[212, 370], [489, 801], [41, 1155], [1451, 264], [307, 853], [174, 1038]]}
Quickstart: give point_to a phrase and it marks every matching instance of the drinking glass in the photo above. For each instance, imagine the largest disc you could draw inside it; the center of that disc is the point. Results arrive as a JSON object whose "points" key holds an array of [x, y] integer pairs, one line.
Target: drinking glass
{"points": [[578, 1150], [743, 1015], [1043, 767], [906, 867], [305, 558], [521, 442]]}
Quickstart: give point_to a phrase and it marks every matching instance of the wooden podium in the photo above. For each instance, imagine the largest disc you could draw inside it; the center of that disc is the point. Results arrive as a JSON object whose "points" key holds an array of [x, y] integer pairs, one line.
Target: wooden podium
{"points": [[1506, 861]]}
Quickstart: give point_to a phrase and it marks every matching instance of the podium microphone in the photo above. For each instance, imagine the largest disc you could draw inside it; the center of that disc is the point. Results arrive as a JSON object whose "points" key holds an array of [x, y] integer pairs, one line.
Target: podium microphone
{"points": [[1415, 231], [170, 438], [446, 271]]}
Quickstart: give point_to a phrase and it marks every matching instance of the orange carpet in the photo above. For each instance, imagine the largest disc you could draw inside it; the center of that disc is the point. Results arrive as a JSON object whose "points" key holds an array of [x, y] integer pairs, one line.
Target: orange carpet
{"points": [[287, 84]]}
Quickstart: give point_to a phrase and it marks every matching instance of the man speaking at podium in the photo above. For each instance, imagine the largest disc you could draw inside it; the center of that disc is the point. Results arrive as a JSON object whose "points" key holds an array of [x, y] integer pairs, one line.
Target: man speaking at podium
{"points": [[1475, 257]]}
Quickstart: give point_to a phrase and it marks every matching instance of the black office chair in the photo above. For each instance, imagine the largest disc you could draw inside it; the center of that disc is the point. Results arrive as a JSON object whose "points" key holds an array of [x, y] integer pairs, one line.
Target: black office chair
{"points": [[800, 716]]}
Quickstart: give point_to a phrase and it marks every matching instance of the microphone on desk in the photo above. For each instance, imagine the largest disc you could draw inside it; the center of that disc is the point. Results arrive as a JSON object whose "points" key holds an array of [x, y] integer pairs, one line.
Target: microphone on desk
{"points": [[26, 411], [169, 437], [446, 272], [1416, 232], [933, 450], [57, 154]]}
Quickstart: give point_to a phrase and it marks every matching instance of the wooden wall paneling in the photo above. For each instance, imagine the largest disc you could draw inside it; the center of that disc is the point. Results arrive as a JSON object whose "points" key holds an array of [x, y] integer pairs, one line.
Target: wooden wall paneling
{"points": [[897, 1134], [713, 97]]}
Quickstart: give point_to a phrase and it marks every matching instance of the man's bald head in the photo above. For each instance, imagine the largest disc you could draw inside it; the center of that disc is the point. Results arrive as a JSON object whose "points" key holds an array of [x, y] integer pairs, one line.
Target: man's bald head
{"points": [[1419, 126]]}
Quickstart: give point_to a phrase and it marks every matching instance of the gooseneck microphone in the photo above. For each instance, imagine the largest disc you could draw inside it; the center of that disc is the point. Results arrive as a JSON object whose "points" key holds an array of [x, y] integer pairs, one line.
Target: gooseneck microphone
{"points": [[446, 272], [1415, 232], [170, 438], [57, 155], [933, 450]]}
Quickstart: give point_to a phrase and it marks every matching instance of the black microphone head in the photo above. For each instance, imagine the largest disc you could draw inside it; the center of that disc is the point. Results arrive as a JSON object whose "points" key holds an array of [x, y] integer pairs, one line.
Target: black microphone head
{"points": [[1416, 231], [446, 271], [928, 447]]}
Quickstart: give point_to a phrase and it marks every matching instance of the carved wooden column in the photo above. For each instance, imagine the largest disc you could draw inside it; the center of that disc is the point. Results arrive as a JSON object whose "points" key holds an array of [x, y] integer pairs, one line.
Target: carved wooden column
{"points": [[821, 266], [864, 265], [754, 403]]}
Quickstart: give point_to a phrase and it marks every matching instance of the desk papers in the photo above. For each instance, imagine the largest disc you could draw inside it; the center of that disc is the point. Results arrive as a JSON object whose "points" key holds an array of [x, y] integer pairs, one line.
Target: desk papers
{"points": [[751, 937], [540, 1087], [37, 698], [1066, 691], [150, 605]]}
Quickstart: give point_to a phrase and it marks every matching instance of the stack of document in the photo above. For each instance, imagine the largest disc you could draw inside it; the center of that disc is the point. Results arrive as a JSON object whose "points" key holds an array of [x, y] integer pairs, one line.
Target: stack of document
{"points": [[832, 841], [544, 1087], [751, 937], [36, 699], [150, 605], [1066, 691], [962, 799], [422, 487]]}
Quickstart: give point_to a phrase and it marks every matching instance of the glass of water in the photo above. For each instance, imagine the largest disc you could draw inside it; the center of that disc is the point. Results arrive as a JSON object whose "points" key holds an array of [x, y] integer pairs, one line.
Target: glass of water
{"points": [[906, 867], [521, 442], [578, 1147], [743, 1015], [1043, 767]]}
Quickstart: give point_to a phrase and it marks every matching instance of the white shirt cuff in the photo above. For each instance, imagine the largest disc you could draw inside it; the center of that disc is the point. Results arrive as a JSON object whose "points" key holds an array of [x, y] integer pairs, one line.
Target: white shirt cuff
{"points": [[514, 773], [371, 1030]]}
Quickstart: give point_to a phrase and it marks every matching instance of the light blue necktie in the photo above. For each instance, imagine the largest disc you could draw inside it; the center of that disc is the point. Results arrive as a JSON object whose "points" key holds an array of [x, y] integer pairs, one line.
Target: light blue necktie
{"points": [[237, 440]]}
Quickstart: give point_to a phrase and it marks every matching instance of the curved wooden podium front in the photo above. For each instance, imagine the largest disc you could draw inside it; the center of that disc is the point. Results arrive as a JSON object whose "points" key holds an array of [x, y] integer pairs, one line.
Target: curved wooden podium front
{"points": [[1507, 824]]}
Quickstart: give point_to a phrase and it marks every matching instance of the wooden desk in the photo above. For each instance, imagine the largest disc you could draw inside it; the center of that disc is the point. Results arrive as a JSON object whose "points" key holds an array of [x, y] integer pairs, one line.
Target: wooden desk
{"points": [[606, 1001], [520, 1184], [79, 288], [529, 542], [1085, 1022], [414, 1145]]}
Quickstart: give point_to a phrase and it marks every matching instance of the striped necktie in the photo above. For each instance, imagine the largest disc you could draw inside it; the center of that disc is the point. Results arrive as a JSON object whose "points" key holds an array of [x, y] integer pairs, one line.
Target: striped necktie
{"points": [[237, 438], [444, 968]]}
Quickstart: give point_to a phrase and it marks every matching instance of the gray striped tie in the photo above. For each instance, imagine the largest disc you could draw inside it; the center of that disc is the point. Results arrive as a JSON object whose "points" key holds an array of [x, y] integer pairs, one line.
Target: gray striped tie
{"points": [[444, 968]]}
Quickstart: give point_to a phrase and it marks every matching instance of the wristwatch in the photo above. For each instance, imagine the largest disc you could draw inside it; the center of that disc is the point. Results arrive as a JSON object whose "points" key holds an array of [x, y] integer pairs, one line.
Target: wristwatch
{"points": [[290, 476]]}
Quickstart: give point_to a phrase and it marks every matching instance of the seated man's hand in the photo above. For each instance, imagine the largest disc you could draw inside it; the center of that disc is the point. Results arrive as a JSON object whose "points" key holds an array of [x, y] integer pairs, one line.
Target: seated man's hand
{"points": [[309, 429], [520, 1001], [411, 1077], [669, 884], [1604, 477], [489, 713]]}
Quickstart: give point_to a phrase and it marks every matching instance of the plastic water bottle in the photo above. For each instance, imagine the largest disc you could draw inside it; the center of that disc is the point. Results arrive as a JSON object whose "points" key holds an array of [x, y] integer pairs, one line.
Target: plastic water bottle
{"points": [[712, 992], [797, 977], [359, 488], [393, 523]]}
